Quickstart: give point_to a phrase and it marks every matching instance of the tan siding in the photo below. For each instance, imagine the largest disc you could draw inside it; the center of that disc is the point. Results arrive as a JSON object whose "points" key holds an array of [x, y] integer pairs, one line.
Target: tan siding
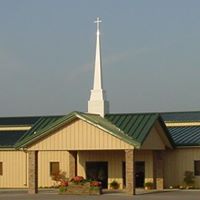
{"points": [[14, 169], [163, 135], [80, 135], [114, 159], [44, 159], [176, 162], [153, 141]]}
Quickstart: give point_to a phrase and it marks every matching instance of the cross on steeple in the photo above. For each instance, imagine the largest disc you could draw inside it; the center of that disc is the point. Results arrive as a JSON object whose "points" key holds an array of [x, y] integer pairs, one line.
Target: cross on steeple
{"points": [[98, 21]]}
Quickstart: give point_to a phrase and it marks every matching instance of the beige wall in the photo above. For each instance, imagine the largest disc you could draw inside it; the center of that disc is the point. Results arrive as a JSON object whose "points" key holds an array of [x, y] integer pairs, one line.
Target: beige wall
{"points": [[44, 159], [153, 141], [80, 135], [157, 139], [14, 169], [176, 162]]}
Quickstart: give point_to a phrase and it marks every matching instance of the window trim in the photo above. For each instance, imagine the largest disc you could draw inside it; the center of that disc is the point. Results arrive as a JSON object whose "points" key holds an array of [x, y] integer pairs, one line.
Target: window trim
{"points": [[1, 168], [51, 173], [196, 171]]}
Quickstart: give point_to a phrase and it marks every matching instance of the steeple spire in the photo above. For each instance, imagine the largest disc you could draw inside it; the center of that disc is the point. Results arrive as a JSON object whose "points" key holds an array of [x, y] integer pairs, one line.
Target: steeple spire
{"points": [[97, 103], [97, 72]]}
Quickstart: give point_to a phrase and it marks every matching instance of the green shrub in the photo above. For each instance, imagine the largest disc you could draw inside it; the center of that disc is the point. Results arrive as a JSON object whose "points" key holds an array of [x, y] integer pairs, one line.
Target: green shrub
{"points": [[114, 185], [189, 179], [148, 185]]}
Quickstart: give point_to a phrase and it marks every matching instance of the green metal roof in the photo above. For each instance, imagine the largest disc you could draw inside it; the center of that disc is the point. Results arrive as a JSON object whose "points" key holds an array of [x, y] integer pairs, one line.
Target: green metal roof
{"points": [[185, 136], [17, 121], [131, 128], [136, 126], [181, 116], [41, 124], [9, 138], [46, 125]]}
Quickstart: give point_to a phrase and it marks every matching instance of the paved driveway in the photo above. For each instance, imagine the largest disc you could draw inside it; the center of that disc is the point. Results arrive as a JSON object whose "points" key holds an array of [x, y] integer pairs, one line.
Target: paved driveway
{"points": [[170, 195]]}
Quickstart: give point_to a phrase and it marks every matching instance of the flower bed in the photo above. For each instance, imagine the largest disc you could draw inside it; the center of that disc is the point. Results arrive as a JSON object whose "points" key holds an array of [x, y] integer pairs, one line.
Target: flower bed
{"points": [[78, 185]]}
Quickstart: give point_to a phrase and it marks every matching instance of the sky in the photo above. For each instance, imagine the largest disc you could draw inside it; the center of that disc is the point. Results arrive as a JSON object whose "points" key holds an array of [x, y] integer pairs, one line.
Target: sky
{"points": [[150, 55]]}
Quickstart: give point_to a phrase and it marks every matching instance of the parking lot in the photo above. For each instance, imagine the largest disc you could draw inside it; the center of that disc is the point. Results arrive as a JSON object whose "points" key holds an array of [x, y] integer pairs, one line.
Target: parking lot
{"points": [[52, 195]]}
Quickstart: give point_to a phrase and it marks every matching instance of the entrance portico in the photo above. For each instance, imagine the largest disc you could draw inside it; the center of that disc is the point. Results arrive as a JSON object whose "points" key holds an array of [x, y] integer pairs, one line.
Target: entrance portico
{"points": [[80, 138]]}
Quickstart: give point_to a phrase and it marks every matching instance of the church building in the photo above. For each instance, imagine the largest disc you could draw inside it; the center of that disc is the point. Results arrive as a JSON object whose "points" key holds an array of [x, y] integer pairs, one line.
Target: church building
{"points": [[130, 148]]}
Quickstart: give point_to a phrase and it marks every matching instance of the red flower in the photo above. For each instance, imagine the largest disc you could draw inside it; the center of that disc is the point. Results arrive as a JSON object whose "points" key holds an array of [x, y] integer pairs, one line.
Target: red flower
{"points": [[95, 184], [64, 183], [77, 179]]}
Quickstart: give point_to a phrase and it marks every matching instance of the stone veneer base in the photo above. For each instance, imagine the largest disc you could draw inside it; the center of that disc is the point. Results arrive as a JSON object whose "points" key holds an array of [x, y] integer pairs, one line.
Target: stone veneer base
{"points": [[78, 189]]}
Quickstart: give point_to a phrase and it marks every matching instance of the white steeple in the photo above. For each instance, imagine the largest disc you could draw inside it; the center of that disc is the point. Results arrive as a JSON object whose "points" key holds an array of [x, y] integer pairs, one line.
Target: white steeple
{"points": [[97, 103]]}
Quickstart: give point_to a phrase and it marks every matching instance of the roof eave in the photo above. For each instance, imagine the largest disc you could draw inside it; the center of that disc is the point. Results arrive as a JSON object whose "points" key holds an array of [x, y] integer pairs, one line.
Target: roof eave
{"points": [[29, 141], [162, 123], [179, 146], [6, 148]]}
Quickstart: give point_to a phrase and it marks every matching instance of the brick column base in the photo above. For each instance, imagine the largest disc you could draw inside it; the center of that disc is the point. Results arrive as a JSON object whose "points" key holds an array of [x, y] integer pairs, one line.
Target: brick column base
{"points": [[72, 164], [33, 172], [158, 170], [130, 171]]}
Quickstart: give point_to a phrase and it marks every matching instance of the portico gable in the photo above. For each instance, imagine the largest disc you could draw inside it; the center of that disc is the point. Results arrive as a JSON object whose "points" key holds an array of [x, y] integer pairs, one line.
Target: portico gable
{"points": [[79, 135]]}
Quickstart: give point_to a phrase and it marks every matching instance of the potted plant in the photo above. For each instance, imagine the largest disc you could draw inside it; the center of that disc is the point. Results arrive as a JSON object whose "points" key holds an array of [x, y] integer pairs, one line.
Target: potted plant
{"points": [[189, 179], [148, 185], [114, 185]]}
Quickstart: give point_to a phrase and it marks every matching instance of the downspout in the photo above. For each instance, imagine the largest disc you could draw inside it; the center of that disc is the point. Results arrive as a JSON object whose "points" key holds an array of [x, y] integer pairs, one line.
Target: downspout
{"points": [[26, 168]]}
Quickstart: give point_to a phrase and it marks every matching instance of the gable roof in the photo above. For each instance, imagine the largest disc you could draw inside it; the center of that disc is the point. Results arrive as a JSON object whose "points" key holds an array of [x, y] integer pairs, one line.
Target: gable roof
{"points": [[40, 130], [137, 126], [131, 128]]}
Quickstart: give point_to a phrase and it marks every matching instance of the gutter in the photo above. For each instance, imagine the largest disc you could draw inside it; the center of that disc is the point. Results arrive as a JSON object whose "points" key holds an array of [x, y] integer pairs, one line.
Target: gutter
{"points": [[7, 149], [183, 147]]}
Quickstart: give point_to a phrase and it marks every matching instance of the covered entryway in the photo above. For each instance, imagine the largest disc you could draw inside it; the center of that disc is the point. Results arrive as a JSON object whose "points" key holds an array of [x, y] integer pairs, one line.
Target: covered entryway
{"points": [[98, 171]]}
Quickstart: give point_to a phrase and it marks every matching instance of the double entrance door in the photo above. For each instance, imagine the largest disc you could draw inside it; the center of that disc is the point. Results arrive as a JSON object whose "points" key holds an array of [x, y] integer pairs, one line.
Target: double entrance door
{"points": [[139, 173], [98, 171]]}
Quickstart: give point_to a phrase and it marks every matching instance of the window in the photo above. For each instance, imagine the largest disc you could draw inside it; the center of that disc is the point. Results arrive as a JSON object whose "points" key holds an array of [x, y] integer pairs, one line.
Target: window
{"points": [[54, 168], [197, 167], [1, 168]]}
